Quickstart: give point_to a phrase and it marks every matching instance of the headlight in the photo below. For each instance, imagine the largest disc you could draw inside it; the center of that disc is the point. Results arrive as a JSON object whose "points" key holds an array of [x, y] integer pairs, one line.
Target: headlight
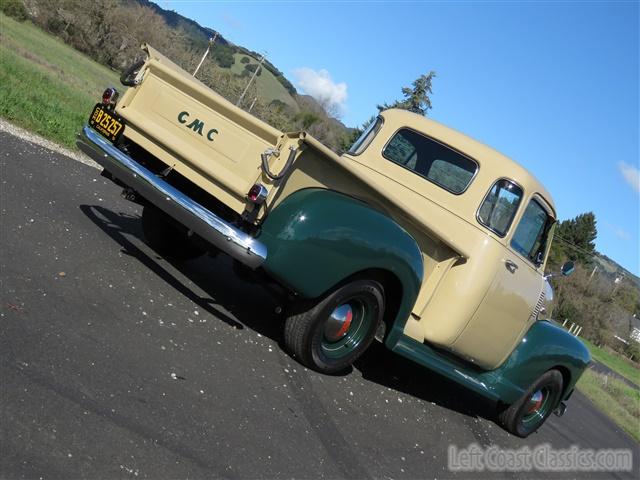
{"points": [[547, 302]]}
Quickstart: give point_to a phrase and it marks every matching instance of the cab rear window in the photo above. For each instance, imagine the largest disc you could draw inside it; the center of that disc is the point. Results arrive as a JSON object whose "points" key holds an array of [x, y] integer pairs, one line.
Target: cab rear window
{"points": [[436, 162]]}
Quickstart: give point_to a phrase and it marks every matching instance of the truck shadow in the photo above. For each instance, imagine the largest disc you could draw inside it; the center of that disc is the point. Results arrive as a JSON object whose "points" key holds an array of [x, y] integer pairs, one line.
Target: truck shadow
{"points": [[380, 365], [241, 304], [213, 276]]}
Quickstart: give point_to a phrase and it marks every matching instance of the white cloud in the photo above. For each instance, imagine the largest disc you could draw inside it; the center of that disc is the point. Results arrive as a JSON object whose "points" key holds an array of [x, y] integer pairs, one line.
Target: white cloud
{"points": [[321, 86], [622, 234], [631, 174]]}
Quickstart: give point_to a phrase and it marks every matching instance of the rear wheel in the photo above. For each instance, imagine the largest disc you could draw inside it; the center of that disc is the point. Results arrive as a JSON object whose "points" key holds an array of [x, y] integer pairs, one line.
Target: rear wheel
{"points": [[530, 411], [330, 334], [165, 237]]}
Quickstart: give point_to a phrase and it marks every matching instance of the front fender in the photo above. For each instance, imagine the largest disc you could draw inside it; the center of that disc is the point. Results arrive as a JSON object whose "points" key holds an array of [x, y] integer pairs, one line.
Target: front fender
{"points": [[545, 346], [315, 238]]}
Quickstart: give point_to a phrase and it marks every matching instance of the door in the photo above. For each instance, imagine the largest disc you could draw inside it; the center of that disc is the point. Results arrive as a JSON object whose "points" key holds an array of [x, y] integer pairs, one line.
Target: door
{"points": [[508, 309]]}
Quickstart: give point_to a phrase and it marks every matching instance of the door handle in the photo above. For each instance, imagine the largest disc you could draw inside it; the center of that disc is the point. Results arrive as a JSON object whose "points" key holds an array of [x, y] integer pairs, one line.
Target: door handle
{"points": [[511, 266]]}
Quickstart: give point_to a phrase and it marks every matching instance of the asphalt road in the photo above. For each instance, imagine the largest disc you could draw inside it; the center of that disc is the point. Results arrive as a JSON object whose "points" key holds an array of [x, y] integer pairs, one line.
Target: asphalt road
{"points": [[602, 368], [118, 364]]}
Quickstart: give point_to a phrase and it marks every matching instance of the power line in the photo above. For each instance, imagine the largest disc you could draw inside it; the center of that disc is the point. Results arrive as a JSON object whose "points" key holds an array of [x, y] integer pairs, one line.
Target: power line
{"points": [[567, 242], [590, 254]]}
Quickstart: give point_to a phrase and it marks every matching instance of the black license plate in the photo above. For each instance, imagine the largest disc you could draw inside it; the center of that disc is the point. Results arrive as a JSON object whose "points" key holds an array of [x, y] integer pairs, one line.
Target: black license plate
{"points": [[106, 122]]}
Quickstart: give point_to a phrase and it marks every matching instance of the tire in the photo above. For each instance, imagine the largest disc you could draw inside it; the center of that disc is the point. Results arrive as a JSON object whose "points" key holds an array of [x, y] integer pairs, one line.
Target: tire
{"points": [[330, 334], [527, 414], [166, 238]]}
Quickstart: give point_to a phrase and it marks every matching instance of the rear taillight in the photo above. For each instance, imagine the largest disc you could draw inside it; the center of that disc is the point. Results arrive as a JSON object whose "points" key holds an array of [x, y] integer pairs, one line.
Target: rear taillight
{"points": [[110, 96], [257, 194]]}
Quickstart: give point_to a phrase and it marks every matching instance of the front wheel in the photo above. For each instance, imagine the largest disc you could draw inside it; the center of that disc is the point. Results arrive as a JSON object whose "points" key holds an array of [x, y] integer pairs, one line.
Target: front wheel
{"points": [[530, 411], [330, 334]]}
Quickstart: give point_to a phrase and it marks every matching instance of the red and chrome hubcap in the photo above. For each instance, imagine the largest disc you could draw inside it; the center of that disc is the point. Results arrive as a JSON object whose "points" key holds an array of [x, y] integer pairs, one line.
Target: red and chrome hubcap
{"points": [[535, 402], [338, 323]]}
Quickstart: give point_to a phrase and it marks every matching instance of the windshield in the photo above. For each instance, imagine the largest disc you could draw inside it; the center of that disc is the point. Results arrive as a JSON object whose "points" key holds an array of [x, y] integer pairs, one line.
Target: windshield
{"points": [[530, 238]]}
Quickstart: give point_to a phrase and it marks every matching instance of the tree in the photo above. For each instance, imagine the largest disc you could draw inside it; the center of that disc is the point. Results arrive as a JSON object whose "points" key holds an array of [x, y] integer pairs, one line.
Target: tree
{"points": [[250, 68], [575, 239], [15, 9], [416, 99]]}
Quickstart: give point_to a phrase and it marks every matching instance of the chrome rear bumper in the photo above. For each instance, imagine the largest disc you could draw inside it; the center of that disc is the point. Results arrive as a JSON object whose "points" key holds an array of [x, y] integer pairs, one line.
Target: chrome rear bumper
{"points": [[195, 217]]}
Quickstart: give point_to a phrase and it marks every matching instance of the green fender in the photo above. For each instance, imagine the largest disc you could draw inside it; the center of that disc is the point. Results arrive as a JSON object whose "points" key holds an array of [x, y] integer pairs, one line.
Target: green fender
{"points": [[316, 238], [545, 346]]}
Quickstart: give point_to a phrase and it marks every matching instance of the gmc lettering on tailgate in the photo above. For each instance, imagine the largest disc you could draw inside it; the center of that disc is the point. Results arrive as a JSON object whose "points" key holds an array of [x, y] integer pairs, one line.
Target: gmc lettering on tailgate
{"points": [[196, 125]]}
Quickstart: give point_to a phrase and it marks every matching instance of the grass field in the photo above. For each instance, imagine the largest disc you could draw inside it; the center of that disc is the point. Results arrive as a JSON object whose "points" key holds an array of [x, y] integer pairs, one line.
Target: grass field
{"points": [[614, 362], [266, 83], [45, 85], [616, 399]]}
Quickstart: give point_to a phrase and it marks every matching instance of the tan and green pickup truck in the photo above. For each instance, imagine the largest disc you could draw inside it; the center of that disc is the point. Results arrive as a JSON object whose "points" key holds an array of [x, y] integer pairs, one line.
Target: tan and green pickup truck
{"points": [[419, 236]]}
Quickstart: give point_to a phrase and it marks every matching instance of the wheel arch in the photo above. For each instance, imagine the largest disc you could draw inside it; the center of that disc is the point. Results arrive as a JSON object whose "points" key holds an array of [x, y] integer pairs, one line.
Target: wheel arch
{"points": [[318, 239], [566, 378]]}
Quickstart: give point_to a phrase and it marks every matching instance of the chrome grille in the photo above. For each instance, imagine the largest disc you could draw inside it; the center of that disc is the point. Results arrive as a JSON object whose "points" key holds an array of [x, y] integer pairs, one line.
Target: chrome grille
{"points": [[538, 307]]}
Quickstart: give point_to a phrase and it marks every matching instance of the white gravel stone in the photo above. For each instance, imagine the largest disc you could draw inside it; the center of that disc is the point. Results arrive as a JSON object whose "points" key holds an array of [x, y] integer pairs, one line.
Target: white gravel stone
{"points": [[43, 142]]}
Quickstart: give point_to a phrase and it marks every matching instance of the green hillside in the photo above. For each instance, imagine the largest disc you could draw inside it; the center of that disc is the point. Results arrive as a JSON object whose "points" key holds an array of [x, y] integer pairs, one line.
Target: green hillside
{"points": [[45, 85], [269, 88], [615, 269]]}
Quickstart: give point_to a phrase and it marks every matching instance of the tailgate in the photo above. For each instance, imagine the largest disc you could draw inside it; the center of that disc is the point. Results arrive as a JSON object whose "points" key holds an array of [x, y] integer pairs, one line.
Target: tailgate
{"points": [[196, 127]]}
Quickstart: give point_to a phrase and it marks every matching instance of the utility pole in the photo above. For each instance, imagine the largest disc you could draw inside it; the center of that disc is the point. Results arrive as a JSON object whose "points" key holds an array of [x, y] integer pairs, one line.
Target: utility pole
{"points": [[211, 42], [592, 274], [252, 104], [616, 283], [251, 80]]}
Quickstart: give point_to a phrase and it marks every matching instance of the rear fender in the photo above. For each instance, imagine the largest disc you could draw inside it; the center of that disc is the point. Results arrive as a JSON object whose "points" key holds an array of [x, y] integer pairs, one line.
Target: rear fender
{"points": [[316, 238]]}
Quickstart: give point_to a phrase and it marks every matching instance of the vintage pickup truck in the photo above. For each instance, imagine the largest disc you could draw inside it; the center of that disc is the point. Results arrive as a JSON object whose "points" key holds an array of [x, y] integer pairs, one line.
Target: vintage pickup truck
{"points": [[419, 236]]}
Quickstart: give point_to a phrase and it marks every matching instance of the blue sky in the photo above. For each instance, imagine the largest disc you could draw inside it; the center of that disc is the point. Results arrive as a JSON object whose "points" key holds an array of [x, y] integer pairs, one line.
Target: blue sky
{"points": [[554, 85]]}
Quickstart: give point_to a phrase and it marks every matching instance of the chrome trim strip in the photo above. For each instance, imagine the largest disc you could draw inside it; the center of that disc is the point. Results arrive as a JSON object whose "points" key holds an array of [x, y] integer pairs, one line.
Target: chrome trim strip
{"points": [[226, 237]]}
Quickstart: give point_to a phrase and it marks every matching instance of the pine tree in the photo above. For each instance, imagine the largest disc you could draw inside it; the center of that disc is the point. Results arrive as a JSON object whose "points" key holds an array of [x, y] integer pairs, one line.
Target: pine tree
{"points": [[575, 240], [416, 99]]}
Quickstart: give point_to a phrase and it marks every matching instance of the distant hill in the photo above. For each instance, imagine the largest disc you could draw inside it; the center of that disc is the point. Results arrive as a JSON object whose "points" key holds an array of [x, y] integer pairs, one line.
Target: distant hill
{"points": [[202, 34], [175, 20], [114, 40], [613, 268], [268, 86]]}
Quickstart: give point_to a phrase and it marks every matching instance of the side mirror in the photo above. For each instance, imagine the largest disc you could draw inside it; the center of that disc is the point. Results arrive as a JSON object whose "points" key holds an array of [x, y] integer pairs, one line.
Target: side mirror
{"points": [[567, 268]]}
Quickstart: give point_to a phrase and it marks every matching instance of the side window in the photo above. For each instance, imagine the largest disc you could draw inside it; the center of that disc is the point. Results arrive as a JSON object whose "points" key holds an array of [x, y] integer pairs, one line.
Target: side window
{"points": [[367, 136], [530, 237], [436, 162], [500, 206]]}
